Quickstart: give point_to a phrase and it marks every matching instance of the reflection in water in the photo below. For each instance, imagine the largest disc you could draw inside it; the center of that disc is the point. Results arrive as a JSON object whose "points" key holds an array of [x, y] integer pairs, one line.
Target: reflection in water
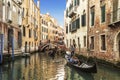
{"points": [[73, 74], [107, 73], [43, 67]]}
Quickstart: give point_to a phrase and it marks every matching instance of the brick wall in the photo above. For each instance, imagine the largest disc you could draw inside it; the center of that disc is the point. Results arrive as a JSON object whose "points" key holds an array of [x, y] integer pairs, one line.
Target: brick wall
{"points": [[102, 28]]}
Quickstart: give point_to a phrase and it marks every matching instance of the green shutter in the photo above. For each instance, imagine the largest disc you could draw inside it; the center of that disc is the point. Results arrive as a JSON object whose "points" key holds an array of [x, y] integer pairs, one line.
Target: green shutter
{"points": [[69, 27], [84, 20], [77, 2], [66, 29], [103, 13], [92, 18], [78, 23]]}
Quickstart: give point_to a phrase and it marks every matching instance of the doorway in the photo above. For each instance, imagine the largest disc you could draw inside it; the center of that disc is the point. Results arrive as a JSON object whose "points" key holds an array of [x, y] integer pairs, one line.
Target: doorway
{"points": [[25, 47]]}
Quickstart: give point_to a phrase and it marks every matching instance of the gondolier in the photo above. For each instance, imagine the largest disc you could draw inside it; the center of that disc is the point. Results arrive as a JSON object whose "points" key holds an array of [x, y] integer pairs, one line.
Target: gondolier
{"points": [[72, 49]]}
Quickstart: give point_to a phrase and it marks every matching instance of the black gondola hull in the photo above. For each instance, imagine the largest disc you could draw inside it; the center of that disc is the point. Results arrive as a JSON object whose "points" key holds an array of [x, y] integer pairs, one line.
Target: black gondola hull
{"points": [[92, 69]]}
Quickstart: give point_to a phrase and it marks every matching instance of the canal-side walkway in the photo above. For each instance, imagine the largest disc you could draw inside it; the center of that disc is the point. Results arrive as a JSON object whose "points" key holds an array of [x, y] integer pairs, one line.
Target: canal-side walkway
{"points": [[7, 57]]}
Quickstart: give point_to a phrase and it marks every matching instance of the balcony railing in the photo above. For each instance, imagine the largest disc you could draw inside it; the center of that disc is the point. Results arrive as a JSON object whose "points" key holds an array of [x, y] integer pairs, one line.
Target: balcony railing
{"points": [[114, 17], [72, 11]]}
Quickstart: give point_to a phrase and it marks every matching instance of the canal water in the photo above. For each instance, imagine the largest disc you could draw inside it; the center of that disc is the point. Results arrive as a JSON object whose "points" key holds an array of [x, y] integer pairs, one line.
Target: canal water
{"points": [[42, 67]]}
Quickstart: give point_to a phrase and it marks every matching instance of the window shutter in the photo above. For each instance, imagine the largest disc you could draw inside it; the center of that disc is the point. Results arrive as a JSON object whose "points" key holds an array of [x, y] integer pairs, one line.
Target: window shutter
{"points": [[92, 18], [78, 23], [69, 27], [103, 13]]}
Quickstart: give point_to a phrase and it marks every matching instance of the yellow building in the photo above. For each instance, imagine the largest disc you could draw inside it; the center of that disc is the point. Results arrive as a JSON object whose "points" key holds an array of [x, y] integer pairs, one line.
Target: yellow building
{"points": [[60, 35], [49, 28], [44, 28], [31, 25]]}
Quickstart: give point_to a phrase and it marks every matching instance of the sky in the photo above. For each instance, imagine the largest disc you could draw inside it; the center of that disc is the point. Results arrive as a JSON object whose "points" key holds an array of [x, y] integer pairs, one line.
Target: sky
{"points": [[55, 8]]}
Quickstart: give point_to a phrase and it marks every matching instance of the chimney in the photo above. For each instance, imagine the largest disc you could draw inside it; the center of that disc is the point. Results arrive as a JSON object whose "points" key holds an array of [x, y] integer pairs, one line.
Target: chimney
{"points": [[38, 3]]}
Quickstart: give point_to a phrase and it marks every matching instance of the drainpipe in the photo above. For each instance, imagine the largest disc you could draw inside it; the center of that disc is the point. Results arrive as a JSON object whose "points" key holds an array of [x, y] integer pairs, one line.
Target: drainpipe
{"points": [[88, 26]]}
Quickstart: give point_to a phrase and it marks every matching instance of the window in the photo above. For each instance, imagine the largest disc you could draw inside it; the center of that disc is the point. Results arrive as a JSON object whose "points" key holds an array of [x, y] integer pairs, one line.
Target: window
{"points": [[69, 27], [24, 33], [83, 19], [74, 26], [78, 2], [84, 41], [29, 33], [92, 42], [103, 13], [23, 12], [92, 15], [78, 23], [66, 29], [78, 41], [75, 2], [103, 42]]}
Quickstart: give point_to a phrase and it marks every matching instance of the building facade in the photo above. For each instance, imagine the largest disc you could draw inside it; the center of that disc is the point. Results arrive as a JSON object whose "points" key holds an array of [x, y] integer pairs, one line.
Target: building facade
{"points": [[104, 31], [76, 24], [44, 27], [31, 25], [99, 25], [10, 23], [49, 28]]}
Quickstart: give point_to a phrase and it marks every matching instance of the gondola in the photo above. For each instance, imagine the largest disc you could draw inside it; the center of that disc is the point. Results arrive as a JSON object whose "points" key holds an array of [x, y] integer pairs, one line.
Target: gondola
{"points": [[84, 67]]}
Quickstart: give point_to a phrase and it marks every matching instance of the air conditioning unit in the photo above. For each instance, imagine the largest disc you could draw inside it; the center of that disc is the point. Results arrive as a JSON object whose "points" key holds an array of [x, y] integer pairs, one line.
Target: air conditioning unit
{"points": [[19, 2], [9, 18]]}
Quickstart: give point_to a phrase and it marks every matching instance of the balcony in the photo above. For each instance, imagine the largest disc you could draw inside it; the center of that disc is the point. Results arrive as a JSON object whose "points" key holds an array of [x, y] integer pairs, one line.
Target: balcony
{"points": [[19, 2], [114, 18], [72, 11], [9, 16]]}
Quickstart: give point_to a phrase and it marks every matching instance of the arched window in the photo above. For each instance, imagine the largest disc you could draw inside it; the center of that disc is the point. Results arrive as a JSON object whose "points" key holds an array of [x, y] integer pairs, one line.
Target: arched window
{"points": [[8, 3]]}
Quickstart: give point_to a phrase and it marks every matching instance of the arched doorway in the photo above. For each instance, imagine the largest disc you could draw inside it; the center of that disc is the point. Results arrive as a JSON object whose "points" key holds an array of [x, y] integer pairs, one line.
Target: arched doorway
{"points": [[117, 46], [9, 37]]}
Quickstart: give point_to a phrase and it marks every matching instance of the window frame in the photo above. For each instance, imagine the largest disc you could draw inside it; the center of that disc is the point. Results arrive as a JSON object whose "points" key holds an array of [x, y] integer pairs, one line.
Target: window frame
{"points": [[103, 50]]}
